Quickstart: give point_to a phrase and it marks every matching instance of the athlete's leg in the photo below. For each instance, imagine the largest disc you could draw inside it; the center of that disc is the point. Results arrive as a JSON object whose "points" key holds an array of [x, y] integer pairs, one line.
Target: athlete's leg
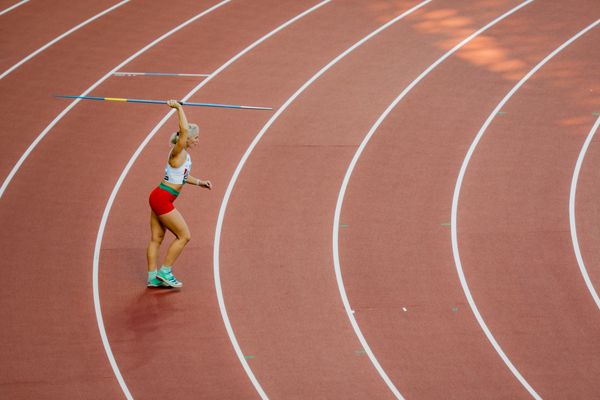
{"points": [[174, 222], [157, 231]]}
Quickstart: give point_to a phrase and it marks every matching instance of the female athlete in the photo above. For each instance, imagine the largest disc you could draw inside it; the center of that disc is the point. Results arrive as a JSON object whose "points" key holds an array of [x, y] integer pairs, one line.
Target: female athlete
{"points": [[163, 214]]}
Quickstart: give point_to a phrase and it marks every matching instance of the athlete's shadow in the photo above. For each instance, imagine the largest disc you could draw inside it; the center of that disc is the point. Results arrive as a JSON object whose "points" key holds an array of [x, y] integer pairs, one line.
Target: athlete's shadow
{"points": [[147, 319]]}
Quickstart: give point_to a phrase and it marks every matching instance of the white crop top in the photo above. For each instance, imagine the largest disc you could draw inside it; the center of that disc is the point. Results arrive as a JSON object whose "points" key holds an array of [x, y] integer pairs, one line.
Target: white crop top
{"points": [[178, 175]]}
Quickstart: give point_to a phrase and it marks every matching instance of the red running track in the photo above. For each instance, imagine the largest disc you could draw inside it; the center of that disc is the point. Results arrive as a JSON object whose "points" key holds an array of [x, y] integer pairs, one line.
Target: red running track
{"points": [[36, 23], [275, 256], [531, 286]]}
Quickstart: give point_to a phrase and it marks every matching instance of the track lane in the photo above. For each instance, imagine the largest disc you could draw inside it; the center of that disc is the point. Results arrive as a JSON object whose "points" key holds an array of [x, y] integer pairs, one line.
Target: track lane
{"points": [[260, 81], [525, 233], [220, 70], [417, 290]]}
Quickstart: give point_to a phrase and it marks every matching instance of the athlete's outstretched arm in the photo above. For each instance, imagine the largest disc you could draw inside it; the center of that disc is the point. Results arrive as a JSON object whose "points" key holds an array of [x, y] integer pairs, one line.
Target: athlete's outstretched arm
{"points": [[183, 127]]}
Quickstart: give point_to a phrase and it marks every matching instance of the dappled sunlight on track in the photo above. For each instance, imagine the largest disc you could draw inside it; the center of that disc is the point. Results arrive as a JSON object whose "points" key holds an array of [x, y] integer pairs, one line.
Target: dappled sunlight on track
{"points": [[484, 51]]}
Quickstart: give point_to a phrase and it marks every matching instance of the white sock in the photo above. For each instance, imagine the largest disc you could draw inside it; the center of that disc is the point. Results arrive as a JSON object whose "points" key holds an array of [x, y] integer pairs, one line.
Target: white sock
{"points": [[165, 268]]}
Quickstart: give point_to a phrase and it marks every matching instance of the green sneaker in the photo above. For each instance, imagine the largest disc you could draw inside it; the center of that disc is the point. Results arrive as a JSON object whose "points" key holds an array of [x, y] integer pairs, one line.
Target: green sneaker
{"points": [[168, 278], [156, 283]]}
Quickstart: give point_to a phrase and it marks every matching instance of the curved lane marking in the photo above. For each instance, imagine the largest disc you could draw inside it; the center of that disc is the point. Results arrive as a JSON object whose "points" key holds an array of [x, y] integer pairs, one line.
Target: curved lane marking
{"points": [[58, 38], [342, 192], [13, 7], [117, 187], [463, 169], [260, 135], [572, 224], [34, 144]]}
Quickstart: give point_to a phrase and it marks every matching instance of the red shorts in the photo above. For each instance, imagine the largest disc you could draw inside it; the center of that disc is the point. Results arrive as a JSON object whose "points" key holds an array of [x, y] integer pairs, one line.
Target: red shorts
{"points": [[161, 199]]}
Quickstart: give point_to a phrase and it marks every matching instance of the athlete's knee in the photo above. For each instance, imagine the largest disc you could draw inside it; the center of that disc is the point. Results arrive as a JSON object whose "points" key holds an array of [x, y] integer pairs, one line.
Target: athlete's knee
{"points": [[185, 237], [157, 238]]}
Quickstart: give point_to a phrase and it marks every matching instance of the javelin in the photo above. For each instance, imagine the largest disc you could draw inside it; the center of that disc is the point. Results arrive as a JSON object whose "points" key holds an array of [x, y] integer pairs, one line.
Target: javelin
{"points": [[121, 73], [183, 103]]}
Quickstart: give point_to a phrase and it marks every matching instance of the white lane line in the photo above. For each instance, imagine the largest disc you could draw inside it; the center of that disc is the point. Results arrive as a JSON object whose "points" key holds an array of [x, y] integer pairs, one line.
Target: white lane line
{"points": [[13, 7], [124, 173], [34, 144], [359, 151], [246, 155], [573, 226], [58, 38], [459, 181]]}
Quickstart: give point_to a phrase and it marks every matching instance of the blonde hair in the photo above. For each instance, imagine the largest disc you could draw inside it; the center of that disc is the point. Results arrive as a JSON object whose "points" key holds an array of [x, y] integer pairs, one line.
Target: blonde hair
{"points": [[193, 131]]}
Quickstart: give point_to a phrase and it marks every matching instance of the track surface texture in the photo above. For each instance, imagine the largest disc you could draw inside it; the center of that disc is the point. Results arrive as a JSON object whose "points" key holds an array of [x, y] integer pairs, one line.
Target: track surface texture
{"points": [[442, 142]]}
